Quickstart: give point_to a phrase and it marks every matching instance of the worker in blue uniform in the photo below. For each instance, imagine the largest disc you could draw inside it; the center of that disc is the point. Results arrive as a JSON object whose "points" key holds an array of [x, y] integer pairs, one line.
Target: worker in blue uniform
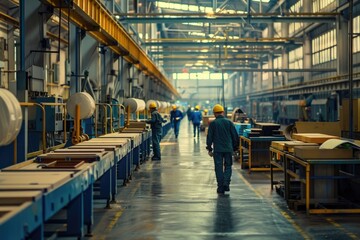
{"points": [[188, 113], [222, 140], [175, 118], [196, 118], [156, 130]]}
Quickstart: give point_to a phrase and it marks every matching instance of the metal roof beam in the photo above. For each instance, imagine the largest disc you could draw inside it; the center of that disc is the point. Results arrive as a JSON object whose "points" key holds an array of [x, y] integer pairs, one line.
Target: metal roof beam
{"points": [[231, 69], [205, 59], [263, 19], [100, 24], [179, 53], [189, 42]]}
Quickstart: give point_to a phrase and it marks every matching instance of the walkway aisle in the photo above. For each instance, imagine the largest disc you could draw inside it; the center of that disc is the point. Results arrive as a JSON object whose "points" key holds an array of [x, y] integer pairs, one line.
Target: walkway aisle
{"points": [[176, 198]]}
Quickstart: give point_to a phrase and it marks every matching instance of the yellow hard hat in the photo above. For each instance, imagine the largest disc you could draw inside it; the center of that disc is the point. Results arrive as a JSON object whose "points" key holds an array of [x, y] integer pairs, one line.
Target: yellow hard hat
{"points": [[218, 108], [174, 107], [205, 110], [197, 107], [152, 105]]}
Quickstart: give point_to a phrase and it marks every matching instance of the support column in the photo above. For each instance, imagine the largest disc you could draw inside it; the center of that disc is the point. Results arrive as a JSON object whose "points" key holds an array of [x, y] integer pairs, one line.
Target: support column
{"points": [[270, 58], [342, 33], [74, 58], [307, 49], [307, 57], [285, 54]]}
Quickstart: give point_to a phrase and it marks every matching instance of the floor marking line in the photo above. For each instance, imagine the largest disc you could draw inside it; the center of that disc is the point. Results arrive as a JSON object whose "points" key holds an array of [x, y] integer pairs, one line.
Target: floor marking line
{"points": [[283, 213], [113, 221], [338, 226]]}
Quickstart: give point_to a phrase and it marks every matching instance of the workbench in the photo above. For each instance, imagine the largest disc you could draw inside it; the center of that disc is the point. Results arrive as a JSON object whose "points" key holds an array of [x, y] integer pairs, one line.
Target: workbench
{"points": [[58, 189], [257, 150], [320, 179], [124, 154], [145, 141], [136, 139], [125, 164]]}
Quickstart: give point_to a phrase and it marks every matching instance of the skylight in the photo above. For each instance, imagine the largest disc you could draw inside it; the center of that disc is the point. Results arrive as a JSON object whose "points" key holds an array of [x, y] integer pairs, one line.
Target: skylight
{"points": [[196, 8]]}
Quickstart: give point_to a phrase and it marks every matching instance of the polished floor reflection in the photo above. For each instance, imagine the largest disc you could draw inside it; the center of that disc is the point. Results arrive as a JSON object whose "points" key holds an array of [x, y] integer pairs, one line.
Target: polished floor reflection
{"points": [[176, 198]]}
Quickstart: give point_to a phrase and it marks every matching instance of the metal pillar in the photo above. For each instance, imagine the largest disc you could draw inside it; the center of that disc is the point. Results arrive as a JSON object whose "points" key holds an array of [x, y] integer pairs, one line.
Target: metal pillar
{"points": [[350, 53]]}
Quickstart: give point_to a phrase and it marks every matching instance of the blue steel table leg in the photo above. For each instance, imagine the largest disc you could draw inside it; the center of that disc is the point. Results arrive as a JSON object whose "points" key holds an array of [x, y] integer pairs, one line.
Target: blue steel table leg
{"points": [[38, 233], [148, 147], [136, 158], [105, 187], [121, 169], [113, 182], [75, 217], [88, 209], [130, 163]]}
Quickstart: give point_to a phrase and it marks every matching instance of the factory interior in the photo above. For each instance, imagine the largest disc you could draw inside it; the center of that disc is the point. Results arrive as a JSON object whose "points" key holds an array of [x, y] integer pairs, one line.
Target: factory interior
{"points": [[82, 82]]}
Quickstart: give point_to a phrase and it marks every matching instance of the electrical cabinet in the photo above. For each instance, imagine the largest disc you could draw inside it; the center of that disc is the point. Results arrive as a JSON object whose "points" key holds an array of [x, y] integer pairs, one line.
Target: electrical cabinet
{"points": [[54, 115]]}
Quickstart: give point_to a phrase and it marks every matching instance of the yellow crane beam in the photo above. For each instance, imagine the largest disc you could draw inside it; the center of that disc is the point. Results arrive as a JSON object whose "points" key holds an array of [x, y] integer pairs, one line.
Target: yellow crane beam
{"points": [[91, 16]]}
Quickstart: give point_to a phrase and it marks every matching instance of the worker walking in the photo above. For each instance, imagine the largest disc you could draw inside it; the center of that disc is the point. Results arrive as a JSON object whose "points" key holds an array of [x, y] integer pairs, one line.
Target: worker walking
{"points": [[196, 118], [222, 140], [156, 130], [175, 118]]}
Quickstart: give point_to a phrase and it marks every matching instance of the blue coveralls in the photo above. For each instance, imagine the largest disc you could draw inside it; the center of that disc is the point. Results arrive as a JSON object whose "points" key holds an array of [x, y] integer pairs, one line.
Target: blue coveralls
{"points": [[175, 118], [223, 139], [156, 131], [196, 118]]}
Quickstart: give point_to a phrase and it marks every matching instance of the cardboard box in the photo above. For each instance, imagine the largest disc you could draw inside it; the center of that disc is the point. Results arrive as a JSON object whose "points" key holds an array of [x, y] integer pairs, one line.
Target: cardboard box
{"points": [[313, 137], [292, 144], [344, 115], [280, 145], [331, 128], [313, 152], [207, 119]]}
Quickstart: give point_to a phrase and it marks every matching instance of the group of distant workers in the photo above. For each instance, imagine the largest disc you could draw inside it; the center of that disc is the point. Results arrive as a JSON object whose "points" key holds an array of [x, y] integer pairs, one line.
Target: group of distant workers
{"points": [[221, 142]]}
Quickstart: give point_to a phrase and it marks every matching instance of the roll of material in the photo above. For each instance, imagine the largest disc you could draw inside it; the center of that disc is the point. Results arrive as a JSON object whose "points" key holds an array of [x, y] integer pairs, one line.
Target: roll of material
{"points": [[135, 104], [10, 117], [149, 102], [163, 105], [158, 104], [86, 103]]}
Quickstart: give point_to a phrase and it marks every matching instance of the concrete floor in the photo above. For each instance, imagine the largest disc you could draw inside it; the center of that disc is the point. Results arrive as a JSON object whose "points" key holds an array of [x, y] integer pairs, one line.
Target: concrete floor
{"points": [[176, 198]]}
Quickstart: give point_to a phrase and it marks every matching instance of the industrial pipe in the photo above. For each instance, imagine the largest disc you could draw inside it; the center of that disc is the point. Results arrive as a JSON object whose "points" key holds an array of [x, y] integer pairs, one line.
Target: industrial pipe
{"points": [[28, 104]]}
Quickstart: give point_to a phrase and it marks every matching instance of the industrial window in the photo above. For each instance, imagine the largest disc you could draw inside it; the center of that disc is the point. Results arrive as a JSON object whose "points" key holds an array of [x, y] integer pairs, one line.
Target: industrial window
{"points": [[277, 29], [265, 75], [319, 5], [324, 48], [296, 58], [356, 39], [206, 75], [194, 8], [296, 8], [278, 64]]}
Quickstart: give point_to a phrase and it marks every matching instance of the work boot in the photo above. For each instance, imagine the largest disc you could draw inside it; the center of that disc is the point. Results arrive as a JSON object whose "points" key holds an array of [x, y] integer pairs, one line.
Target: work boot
{"points": [[220, 190], [227, 188]]}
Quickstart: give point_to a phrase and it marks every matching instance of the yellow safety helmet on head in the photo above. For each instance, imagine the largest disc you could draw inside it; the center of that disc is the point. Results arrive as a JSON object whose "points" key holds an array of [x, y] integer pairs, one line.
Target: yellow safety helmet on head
{"points": [[152, 105], [218, 108], [197, 107], [174, 107], [205, 110]]}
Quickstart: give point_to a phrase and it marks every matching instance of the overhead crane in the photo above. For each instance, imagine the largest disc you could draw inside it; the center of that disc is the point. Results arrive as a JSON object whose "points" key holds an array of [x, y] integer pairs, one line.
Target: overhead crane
{"points": [[91, 16], [227, 18]]}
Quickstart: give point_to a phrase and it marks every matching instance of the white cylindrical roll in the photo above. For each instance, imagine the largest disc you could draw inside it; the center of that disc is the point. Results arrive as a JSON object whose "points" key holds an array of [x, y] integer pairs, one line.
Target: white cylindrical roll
{"points": [[135, 104], [86, 103], [149, 102], [163, 105], [10, 117], [158, 104]]}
